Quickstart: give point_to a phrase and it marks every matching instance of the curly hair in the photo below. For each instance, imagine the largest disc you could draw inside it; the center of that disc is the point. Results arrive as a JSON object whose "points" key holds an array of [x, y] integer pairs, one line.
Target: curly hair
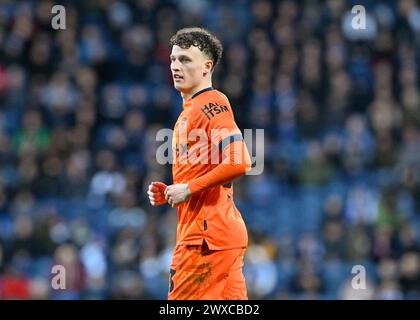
{"points": [[202, 39]]}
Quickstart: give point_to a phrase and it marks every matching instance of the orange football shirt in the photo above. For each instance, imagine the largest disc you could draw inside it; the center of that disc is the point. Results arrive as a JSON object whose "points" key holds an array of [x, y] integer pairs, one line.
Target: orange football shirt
{"points": [[205, 127]]}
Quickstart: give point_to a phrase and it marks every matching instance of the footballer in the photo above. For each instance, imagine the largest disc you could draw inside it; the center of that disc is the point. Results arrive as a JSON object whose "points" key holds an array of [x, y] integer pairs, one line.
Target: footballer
{"points": [[211, 238]]}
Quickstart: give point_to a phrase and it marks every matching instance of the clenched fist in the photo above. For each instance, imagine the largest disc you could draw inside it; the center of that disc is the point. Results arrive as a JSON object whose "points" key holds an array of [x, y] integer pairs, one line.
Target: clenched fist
{"points": [[156, 192]]}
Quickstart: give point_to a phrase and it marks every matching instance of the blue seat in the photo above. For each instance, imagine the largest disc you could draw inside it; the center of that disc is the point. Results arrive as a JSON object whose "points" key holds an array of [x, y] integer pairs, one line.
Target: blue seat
{"points": [[308, 209], [286, 272], [334, 273], [283, 221]]}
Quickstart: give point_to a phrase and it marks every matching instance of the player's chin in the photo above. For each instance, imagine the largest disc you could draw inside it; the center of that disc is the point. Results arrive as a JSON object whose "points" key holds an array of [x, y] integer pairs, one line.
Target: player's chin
{"points": [[182, 86], [178, 86]]}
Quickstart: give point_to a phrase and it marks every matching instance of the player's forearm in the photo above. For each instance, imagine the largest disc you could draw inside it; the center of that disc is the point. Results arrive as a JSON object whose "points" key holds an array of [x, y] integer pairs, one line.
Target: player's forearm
{"points": [[220, 175], [230, 169]]}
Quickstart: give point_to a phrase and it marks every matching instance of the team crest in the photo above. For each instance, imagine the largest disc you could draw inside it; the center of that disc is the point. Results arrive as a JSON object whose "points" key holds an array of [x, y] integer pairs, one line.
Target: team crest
{"points": [[183, 124]]}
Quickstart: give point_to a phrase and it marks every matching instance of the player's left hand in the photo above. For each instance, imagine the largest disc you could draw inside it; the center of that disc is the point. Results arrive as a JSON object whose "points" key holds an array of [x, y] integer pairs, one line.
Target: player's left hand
{"points": [[177, 193]]}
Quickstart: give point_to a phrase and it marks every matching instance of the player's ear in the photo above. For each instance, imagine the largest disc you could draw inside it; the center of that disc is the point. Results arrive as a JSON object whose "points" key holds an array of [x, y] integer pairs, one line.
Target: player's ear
{"points": [[208, 66]]}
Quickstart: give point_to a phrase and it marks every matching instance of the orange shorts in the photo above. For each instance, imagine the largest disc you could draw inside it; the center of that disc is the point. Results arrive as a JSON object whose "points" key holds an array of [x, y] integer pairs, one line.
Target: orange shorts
{"points": [[198, 273]]}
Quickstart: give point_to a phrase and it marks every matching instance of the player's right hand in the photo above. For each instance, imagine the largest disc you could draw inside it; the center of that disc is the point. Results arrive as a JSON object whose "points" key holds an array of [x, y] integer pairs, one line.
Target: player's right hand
{"points": [[156, 192]]}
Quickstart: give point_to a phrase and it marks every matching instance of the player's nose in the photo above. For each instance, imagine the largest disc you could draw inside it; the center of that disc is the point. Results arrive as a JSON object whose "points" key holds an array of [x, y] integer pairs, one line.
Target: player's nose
{"points": [[175, 66]]}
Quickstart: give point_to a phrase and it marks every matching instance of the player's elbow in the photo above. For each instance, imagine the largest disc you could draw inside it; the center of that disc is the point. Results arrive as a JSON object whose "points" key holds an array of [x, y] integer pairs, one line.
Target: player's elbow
{"points": [[247, 163], [241, 166], [240, 169], [248, 167]]}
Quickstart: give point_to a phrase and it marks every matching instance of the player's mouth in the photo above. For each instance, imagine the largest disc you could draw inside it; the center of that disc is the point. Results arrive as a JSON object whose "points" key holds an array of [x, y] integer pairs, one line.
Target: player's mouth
{"points": [[177, 77]]}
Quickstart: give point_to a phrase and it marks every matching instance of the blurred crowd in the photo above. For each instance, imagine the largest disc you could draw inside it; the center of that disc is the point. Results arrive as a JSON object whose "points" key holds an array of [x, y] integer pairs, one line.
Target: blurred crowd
{"points": [[79, 110]]}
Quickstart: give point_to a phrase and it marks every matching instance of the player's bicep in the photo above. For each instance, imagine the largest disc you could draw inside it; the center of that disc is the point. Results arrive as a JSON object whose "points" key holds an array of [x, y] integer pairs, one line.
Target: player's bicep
{"points": [[223, 126], [236, 153], [218, 120]]}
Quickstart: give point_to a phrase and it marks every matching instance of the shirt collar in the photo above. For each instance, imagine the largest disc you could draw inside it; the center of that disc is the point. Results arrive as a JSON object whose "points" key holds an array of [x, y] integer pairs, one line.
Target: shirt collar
{"points": [[201, 91]]}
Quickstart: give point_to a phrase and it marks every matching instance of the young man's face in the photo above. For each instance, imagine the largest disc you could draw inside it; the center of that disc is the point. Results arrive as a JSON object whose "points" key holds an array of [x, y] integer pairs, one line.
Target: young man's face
{"points": [[188, 68]]}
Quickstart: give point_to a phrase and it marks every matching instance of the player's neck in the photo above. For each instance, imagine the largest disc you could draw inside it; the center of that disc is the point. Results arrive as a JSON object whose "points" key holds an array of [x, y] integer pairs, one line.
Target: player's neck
{"points": [[186, 95]]}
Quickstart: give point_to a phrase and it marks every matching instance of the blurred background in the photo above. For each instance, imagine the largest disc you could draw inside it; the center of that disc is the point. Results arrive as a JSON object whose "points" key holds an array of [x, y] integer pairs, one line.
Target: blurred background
{"points": [[79, 112]]}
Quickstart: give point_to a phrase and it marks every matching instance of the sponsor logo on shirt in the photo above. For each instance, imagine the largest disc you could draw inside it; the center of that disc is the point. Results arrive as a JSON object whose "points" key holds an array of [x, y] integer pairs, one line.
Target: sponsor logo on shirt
{"points": [[212, 109]]}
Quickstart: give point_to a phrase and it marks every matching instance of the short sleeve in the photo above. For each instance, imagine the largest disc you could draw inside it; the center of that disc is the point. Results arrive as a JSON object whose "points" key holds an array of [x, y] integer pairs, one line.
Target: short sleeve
{"points": [[221, 125]]}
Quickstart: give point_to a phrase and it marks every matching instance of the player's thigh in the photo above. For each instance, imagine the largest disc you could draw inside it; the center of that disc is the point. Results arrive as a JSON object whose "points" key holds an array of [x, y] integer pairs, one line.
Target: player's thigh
{"points": [[198, 273], [223, 263], [235, 288], [190, 273]]}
